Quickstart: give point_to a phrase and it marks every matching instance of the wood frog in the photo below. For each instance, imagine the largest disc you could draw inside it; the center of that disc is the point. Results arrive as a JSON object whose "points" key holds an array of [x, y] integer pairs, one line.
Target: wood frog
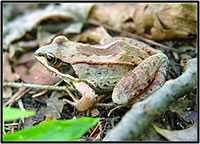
{"points": [[129, 68]]}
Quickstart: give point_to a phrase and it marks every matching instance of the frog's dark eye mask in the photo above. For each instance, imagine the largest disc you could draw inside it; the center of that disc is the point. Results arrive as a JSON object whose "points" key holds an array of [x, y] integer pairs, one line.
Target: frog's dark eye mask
{"points": [[61, 66]]}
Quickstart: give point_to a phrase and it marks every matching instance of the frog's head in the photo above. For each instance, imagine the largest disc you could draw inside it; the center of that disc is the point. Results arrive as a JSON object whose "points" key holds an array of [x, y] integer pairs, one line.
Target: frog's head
{"points": [[50, 57]]}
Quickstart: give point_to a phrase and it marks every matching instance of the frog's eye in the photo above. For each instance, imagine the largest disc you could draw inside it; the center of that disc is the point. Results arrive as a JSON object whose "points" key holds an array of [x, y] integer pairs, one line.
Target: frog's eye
{"points": [[51, 59]]}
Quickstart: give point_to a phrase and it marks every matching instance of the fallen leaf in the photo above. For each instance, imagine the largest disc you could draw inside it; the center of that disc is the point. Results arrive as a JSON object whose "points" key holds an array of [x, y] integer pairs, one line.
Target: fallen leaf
{"points": [[55, 105], [20, 26], [166, 21], [8, 75], [119, 15], [158, 21], [44, 37], [54, 109], [73, 28], [95, 35], [37, 74], [26, 58], [189, 134]]}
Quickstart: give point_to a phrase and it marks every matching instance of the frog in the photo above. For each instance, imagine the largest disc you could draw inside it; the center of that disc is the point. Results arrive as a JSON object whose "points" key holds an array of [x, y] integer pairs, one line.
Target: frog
{"points": [[130, 69]]}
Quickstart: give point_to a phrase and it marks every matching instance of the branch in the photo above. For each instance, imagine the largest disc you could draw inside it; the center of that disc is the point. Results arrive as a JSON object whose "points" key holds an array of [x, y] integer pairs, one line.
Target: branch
{"points": [[36, 86], [143, 113]]}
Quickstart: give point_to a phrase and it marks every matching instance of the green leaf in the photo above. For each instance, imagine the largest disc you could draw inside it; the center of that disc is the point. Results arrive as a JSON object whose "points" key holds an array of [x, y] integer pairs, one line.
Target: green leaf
{"points": [[14, 113], [58, 130]]}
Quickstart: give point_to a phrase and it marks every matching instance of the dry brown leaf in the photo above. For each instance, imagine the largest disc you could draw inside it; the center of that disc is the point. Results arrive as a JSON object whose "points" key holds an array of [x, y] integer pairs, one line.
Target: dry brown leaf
{"points": [[53, 109], [189, 134], [25, 58], [55, 105], [94, 35], [36, 74], [22, 47], [161, 21], [119, 16], [166, 20], [8, 75]]}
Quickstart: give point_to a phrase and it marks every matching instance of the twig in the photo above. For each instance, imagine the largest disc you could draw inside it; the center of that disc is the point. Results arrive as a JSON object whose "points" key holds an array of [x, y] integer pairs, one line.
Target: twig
{"points": [[36, 86], [135, 36], [20, 93], [94, 130], [21, 106], [13, 127], [11, 124], [143, 113], [44, 91], [106, 104]]}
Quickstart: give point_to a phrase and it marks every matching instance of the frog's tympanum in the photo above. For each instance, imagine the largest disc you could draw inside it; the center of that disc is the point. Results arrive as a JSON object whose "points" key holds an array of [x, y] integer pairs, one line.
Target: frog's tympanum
{"points": [[129, 68]]}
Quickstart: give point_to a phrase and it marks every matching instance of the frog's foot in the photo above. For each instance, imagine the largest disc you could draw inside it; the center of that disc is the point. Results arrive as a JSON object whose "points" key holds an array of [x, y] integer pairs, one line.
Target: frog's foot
{"points": [[70, 102], [88, 97], [73, 97], [117, 107]]}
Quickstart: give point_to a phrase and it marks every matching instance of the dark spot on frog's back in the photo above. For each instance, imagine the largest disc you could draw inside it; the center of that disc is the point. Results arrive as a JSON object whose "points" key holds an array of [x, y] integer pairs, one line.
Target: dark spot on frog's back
{"points": [[71, 56], [141, 57]]}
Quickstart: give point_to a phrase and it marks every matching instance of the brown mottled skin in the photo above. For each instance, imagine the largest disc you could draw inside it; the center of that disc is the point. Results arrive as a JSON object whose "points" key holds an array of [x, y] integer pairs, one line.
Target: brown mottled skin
{"points": [[129, 68]]}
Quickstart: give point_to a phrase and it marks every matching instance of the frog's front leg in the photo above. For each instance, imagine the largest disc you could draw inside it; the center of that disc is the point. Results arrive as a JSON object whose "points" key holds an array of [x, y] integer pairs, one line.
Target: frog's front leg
{"points": [[88, 99], [145, 79]]}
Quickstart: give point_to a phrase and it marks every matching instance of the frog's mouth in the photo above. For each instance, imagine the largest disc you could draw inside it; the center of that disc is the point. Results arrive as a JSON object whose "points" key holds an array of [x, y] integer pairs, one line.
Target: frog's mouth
{"points": [[61, 69]]}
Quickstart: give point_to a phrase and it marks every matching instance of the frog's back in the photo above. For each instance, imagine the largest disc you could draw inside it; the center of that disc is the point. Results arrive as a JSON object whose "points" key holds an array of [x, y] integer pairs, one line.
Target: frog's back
{"points": [[103, 66], [102, 78]]}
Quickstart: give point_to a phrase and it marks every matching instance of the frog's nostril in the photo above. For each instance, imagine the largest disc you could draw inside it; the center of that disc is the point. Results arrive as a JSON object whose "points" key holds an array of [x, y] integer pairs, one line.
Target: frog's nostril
{"points": [[39, 54]]}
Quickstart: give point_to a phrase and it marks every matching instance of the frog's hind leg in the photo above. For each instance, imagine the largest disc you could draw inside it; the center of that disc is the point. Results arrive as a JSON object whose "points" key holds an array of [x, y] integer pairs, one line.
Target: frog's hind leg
{"points": [[147, 77], [158, 81]]}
